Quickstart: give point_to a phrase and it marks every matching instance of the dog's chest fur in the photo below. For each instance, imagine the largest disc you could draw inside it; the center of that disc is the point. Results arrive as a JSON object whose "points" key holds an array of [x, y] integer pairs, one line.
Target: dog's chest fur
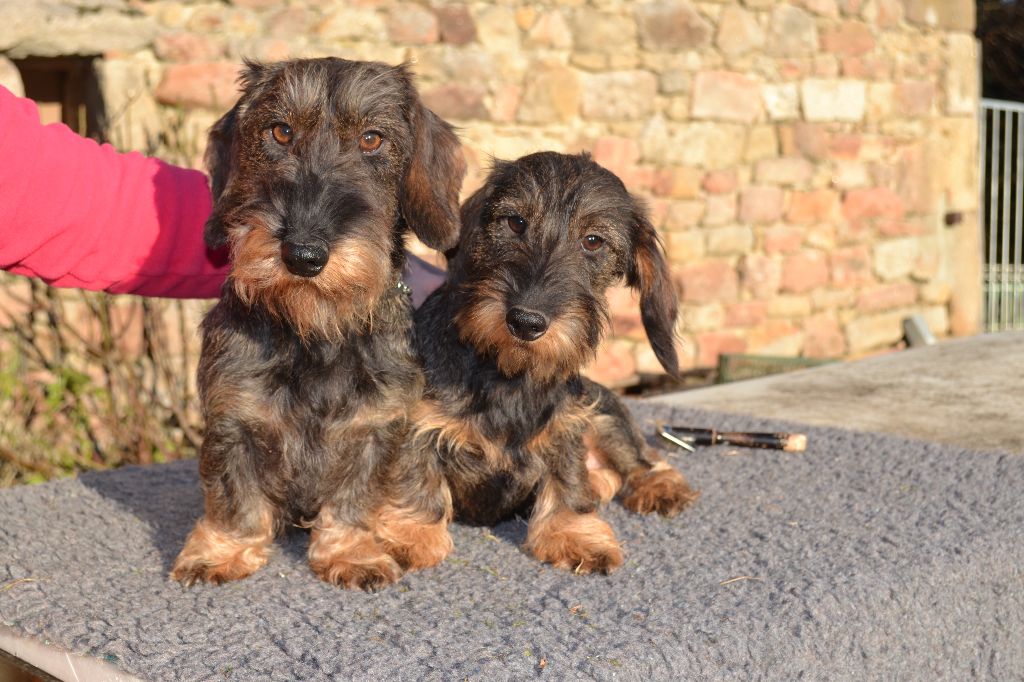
{"points": [[320, 412], [496, 434]]}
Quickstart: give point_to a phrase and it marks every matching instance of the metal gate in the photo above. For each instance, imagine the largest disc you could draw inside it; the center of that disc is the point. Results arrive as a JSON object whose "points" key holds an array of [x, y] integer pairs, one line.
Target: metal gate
{"points": [[1002, 206]]}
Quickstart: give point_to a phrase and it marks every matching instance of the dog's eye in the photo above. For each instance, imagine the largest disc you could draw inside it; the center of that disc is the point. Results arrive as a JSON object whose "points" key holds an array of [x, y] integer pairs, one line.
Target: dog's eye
{"points": [[282, 133], [516, 223], [370, 141], [592, 242]]}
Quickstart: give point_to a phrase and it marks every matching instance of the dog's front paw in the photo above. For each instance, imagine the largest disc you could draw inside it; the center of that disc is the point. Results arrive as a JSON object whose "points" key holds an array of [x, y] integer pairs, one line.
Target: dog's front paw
{"points": [[212, 556], [659, 489], [350, 557], [361, 574], [581, 543], [415, 545]]}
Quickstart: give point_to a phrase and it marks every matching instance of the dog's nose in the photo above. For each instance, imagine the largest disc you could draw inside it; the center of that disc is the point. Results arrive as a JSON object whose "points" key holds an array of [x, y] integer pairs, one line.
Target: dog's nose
{"points": [[304, 260], [528, 325]]}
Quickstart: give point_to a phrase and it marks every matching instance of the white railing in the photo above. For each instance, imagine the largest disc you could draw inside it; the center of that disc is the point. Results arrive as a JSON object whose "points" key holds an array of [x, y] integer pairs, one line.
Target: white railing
{"points": [[1001, 145]]}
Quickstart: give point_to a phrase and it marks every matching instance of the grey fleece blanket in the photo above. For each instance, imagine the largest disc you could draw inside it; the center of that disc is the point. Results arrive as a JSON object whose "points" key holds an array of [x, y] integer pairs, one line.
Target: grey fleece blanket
{"points": [[867, 557]]}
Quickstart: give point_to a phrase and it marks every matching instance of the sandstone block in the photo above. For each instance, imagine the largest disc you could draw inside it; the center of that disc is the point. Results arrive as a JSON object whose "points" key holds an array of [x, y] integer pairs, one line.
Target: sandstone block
{"points": [[411, 24], [455, 24], [700, 318], [708, 281], [761, 275], [10, 77], [849, 38], [733, 240], [712, 344], [793, 32], [719, 209], [496, 28], [745, 314], [615, 153], [761, 204], [720, 181], [624, 309], [809, 140], [895, 258], [874, 332], [818, 205], [676, 182], [781, 101], [211, 85], [672, 25], [739, 32], [726, 96], [782, 239], [551, 95], [187, 47], [683, 215], [873, 202], [789, 306], [823, 338], [802, 272], [614, 365], [551, 30], [457, 101], [960, 78], [762, 143], [833, 99], [597, 31], [776, 337], [788, 171], [700, 144], [915, 99], [851, 267], [886, 297], [953, 15], [685, 247], [619, 95]]}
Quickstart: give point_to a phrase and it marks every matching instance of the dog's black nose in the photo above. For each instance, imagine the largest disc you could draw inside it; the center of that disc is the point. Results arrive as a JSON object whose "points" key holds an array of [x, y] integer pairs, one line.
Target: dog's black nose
{"points": [[527, 325], [304, 260]]}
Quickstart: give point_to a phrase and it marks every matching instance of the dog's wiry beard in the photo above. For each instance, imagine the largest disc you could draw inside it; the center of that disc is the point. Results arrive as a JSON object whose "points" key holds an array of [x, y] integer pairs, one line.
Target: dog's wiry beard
{"points": [[340, 299], [562, 351]]}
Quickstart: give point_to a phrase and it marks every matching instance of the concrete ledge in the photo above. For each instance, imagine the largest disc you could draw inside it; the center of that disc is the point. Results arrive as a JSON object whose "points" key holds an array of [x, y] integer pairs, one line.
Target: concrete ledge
{"points": [[964, 392]]}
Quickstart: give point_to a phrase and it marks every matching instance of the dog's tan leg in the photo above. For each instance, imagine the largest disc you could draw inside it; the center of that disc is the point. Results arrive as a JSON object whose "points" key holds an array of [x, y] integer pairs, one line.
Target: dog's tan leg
{"points": [[349, 556], [413, 523], [577, 541], [619, 450]]}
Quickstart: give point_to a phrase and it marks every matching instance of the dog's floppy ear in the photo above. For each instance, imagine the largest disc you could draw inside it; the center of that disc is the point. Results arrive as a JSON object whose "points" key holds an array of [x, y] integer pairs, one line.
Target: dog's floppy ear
{"points": [[648, 274], [430, 191], [221, 149], [470, 216]]}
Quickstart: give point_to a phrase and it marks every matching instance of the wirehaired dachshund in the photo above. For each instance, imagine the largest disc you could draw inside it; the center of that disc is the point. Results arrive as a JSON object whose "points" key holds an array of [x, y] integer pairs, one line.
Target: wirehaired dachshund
{"points": [[507, 425], [308, 372]]}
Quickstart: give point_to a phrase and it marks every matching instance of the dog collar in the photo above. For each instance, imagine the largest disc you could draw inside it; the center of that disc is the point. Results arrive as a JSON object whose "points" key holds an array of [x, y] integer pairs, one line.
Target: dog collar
{"points": [[403, 287]]}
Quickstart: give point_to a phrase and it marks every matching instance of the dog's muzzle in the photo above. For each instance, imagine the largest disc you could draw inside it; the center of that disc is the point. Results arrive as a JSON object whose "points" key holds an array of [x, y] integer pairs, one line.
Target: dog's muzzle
{"points": [[527, 325], [304, 260]]}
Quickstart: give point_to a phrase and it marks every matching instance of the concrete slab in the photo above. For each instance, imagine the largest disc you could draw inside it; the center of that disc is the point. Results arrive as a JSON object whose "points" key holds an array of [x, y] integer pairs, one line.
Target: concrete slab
{"points": [[967, 392]]}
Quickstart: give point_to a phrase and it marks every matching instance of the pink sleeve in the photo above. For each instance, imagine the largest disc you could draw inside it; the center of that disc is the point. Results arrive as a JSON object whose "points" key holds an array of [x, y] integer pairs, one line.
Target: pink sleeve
{"points": [[78, 214]]}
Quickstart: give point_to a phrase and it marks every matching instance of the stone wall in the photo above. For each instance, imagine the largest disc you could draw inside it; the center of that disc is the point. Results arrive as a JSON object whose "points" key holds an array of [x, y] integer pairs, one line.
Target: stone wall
{"points": [[811, 164]]}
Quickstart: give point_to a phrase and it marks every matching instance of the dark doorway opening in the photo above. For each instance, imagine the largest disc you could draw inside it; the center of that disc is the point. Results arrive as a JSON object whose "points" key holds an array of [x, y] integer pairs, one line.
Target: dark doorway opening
{"points": [[67, 91]]}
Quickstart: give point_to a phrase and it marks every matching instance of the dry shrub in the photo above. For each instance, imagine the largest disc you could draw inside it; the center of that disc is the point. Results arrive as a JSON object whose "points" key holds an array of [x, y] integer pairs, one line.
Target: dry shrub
{"points": [[92, 381]]}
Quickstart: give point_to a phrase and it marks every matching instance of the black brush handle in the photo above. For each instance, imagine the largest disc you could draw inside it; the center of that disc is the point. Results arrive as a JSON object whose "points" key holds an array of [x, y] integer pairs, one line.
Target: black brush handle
{"points": [[790, 442]]}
